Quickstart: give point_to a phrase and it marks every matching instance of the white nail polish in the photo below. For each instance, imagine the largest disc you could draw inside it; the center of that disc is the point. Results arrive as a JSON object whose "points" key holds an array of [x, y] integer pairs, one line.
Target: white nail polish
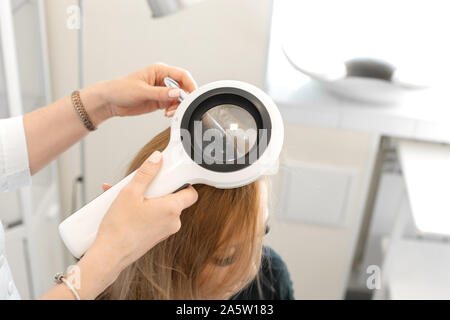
{"points": [[174, 93], [155, 157]]}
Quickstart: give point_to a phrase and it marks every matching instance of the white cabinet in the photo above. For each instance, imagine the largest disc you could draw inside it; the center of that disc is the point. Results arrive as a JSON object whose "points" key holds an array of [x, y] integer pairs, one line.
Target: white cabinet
{"points": [[30, 215], [316, 194]]}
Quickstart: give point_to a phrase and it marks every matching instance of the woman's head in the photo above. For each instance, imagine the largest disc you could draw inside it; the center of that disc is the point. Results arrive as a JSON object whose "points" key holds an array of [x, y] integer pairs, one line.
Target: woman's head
{"points": [[215, 253]]}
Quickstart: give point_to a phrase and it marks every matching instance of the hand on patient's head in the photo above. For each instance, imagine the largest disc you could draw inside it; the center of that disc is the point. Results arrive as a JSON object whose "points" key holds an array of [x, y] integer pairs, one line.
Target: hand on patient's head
{"points": [[136, 230]]}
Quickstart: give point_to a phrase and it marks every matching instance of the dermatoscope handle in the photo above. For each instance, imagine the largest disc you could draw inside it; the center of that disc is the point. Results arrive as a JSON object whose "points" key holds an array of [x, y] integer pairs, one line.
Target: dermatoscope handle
{"points": [[80, 229]]}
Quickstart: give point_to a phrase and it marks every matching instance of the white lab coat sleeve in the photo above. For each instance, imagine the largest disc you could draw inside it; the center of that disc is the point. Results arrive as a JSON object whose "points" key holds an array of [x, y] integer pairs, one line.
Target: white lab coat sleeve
{"points": [[14, 166], [8, 290]]}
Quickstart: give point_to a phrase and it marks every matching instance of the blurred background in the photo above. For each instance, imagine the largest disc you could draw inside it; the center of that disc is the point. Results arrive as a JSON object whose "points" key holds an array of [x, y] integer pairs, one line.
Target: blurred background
{"points": [[359, 207]]}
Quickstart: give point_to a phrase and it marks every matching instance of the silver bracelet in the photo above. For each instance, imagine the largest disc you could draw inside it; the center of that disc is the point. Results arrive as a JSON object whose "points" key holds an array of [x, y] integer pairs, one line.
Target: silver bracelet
{"points": [[59, 278]]}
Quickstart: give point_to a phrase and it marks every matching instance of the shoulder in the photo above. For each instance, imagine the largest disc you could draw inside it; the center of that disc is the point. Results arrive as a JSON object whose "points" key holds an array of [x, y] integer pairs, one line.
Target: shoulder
{"points": [[274, 271], [273, 281]]}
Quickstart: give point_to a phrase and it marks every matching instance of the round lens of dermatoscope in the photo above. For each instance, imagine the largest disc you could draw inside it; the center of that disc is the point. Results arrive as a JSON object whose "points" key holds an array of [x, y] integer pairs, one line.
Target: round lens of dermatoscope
{"points": [[237, 128], [225, 129]]}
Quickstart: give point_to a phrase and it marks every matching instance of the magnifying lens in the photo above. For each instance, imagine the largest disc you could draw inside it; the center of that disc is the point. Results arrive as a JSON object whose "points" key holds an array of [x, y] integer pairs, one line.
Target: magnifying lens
{"points": [[225, 134]]}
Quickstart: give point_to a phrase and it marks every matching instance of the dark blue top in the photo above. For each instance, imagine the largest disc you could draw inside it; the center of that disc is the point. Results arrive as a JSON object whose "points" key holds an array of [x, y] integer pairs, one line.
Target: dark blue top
{"points": [[274, 280]]}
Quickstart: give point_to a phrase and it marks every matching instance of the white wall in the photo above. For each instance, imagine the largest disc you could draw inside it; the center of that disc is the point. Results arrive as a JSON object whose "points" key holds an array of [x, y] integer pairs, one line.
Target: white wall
{"points": [[217, 39]]}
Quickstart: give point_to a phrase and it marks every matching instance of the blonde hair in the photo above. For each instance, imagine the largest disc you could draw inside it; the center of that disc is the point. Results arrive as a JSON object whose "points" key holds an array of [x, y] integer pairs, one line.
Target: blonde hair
{"points": [[221, 221]]}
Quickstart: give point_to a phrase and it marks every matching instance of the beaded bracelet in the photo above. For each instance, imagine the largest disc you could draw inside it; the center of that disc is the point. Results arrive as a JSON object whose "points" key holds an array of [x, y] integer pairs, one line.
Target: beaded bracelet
{"points": [[79, 108]]}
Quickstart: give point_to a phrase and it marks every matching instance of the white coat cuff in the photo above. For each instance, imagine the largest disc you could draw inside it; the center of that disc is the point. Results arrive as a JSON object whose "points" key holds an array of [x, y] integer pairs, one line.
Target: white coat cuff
{"points": [[14, 165]]}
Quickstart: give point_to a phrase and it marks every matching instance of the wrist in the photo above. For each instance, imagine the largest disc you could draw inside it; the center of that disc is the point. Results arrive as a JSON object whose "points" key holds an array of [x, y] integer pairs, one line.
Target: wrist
{"points": [[96, 105], [100, 267], [106, 253]]}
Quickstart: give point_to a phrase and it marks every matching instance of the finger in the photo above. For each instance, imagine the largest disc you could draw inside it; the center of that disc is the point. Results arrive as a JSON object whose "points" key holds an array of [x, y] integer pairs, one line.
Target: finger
{"points": [[182, 76], [163, 94], [173, 105], [146, 173], [106, 187], [184, 198], [171, 111], [169, 114]]}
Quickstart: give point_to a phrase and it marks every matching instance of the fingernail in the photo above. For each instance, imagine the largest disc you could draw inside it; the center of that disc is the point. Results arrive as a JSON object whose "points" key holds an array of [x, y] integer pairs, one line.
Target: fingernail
{"points": [[174, 93], [155, 157], [170, 113]]}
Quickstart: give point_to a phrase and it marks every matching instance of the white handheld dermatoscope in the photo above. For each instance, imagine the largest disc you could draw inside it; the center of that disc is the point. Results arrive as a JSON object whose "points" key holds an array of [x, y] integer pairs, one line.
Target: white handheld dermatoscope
{"points": [[225, 134]]}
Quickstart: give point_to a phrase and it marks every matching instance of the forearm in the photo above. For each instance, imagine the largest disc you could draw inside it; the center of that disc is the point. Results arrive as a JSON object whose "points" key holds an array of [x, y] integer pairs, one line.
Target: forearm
{"points": [[51, 130], [97, 270]]}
